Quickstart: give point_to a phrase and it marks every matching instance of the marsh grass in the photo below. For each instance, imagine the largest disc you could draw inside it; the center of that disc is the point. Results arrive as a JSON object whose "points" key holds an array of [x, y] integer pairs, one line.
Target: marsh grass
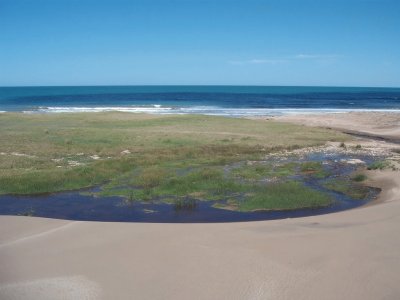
{"points": [[284, 196], [379, 165], [169, 157], [205, 183], [58, 179], [314, 168], [347, 187], [184, 204], [359, 177], [260, 171]]}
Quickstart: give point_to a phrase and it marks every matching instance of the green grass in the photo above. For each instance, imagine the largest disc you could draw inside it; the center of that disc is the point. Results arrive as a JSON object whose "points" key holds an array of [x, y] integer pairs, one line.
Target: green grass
{"points": [[359, 177], [210, 183], [59, 179], [284, 196], [347, 187], [205, 184], [379, 165], [54, 152], [175, 159], [259, 171], [314, 168]]}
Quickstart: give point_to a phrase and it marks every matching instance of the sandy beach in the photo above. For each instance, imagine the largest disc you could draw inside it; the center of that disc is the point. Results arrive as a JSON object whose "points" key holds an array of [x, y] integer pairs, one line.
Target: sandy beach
{"points": [[378, 124], [352, 254]]}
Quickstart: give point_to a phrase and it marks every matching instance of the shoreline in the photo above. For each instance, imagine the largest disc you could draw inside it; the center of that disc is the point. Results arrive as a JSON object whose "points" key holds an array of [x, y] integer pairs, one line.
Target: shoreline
{"points": [[303, 258], [208, 110]]}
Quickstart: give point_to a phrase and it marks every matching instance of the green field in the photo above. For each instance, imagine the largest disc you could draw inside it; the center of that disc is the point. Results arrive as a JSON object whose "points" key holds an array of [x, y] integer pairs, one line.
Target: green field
{"points": [[146, 157]]}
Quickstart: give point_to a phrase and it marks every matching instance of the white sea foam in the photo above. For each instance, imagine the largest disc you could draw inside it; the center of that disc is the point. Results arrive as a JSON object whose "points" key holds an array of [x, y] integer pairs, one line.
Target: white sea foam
{"points": [[204, 110]]}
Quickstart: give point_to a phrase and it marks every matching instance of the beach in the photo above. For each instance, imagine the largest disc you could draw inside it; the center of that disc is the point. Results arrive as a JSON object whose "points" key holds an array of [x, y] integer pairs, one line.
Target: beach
{"points": [[346, 255], [384, 125]]}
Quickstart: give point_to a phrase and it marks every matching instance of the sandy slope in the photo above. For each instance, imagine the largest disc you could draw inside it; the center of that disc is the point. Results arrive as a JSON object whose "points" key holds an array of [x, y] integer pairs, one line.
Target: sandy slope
{"points": [[374, 123], [353, 254]]}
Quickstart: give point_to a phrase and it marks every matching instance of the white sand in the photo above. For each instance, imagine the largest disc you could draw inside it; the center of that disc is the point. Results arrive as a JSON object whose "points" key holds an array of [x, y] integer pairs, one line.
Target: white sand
{"points": [[374, 123], [353, 254]]}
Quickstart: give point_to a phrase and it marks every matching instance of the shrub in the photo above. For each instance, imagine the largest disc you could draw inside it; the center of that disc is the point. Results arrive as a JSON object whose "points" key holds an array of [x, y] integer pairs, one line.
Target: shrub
{"points": [[359, 177]]}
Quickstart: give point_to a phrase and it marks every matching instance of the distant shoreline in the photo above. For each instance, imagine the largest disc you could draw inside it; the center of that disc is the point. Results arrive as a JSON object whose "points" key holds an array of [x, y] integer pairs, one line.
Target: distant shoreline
{"points": [[234, 101], [157, 109]]}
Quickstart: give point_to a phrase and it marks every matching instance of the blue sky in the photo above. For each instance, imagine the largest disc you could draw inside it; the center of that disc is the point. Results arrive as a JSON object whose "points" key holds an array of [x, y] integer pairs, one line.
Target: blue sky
{"points": [[320, 42]]}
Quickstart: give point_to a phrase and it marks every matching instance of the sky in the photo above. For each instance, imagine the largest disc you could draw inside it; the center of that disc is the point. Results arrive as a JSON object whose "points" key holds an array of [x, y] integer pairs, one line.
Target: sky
{"points": [[188, 42]]}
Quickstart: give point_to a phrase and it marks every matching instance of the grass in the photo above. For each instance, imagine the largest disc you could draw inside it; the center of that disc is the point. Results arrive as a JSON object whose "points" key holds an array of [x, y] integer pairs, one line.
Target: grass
{"points": [[36, 181], [175, 159], [359, 177], [347, 187], [379, 165], [185, 204], [314, 168], [258, 171], [284, 196], [53, 152], [204, 184], [212, 184]]}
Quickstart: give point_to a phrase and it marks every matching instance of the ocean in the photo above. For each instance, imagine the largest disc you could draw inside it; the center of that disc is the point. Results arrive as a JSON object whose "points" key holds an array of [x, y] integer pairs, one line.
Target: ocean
{"points": [[234, 101]]}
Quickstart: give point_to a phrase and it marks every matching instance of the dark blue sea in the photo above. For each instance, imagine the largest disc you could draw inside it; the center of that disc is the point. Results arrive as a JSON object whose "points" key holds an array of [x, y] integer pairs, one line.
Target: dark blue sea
{"points": [[233, 101]]}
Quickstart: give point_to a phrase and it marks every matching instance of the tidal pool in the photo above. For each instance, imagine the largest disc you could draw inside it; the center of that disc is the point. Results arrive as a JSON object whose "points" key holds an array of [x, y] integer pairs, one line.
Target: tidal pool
{"points": [[86, 206]]}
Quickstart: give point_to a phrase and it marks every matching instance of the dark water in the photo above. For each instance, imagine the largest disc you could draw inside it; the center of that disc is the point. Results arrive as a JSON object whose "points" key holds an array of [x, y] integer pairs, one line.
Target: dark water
{"points": [[75, 206], [212, 100]]}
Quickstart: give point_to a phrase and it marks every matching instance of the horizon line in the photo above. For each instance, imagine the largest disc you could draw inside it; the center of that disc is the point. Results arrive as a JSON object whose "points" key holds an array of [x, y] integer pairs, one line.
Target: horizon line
{"points": [[195, 85]]}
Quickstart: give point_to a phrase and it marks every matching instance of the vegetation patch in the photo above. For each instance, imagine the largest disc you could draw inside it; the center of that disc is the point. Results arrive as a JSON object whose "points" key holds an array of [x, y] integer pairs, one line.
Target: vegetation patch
{"points": [[379, 165], [314, 168], [347, 187], [359, 177], [173, 159], [210, 183], [58, 152], [203, 184], [284, 196], [257, 171]]}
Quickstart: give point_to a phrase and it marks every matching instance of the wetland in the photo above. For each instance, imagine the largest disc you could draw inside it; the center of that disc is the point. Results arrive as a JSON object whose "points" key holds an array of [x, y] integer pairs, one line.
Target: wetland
{"points": [[145, 168]]}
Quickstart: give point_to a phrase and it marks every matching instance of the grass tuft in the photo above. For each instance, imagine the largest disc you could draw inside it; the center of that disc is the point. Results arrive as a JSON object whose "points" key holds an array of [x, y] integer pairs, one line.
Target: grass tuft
{"points": [[359, 177], [379, 165]]}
